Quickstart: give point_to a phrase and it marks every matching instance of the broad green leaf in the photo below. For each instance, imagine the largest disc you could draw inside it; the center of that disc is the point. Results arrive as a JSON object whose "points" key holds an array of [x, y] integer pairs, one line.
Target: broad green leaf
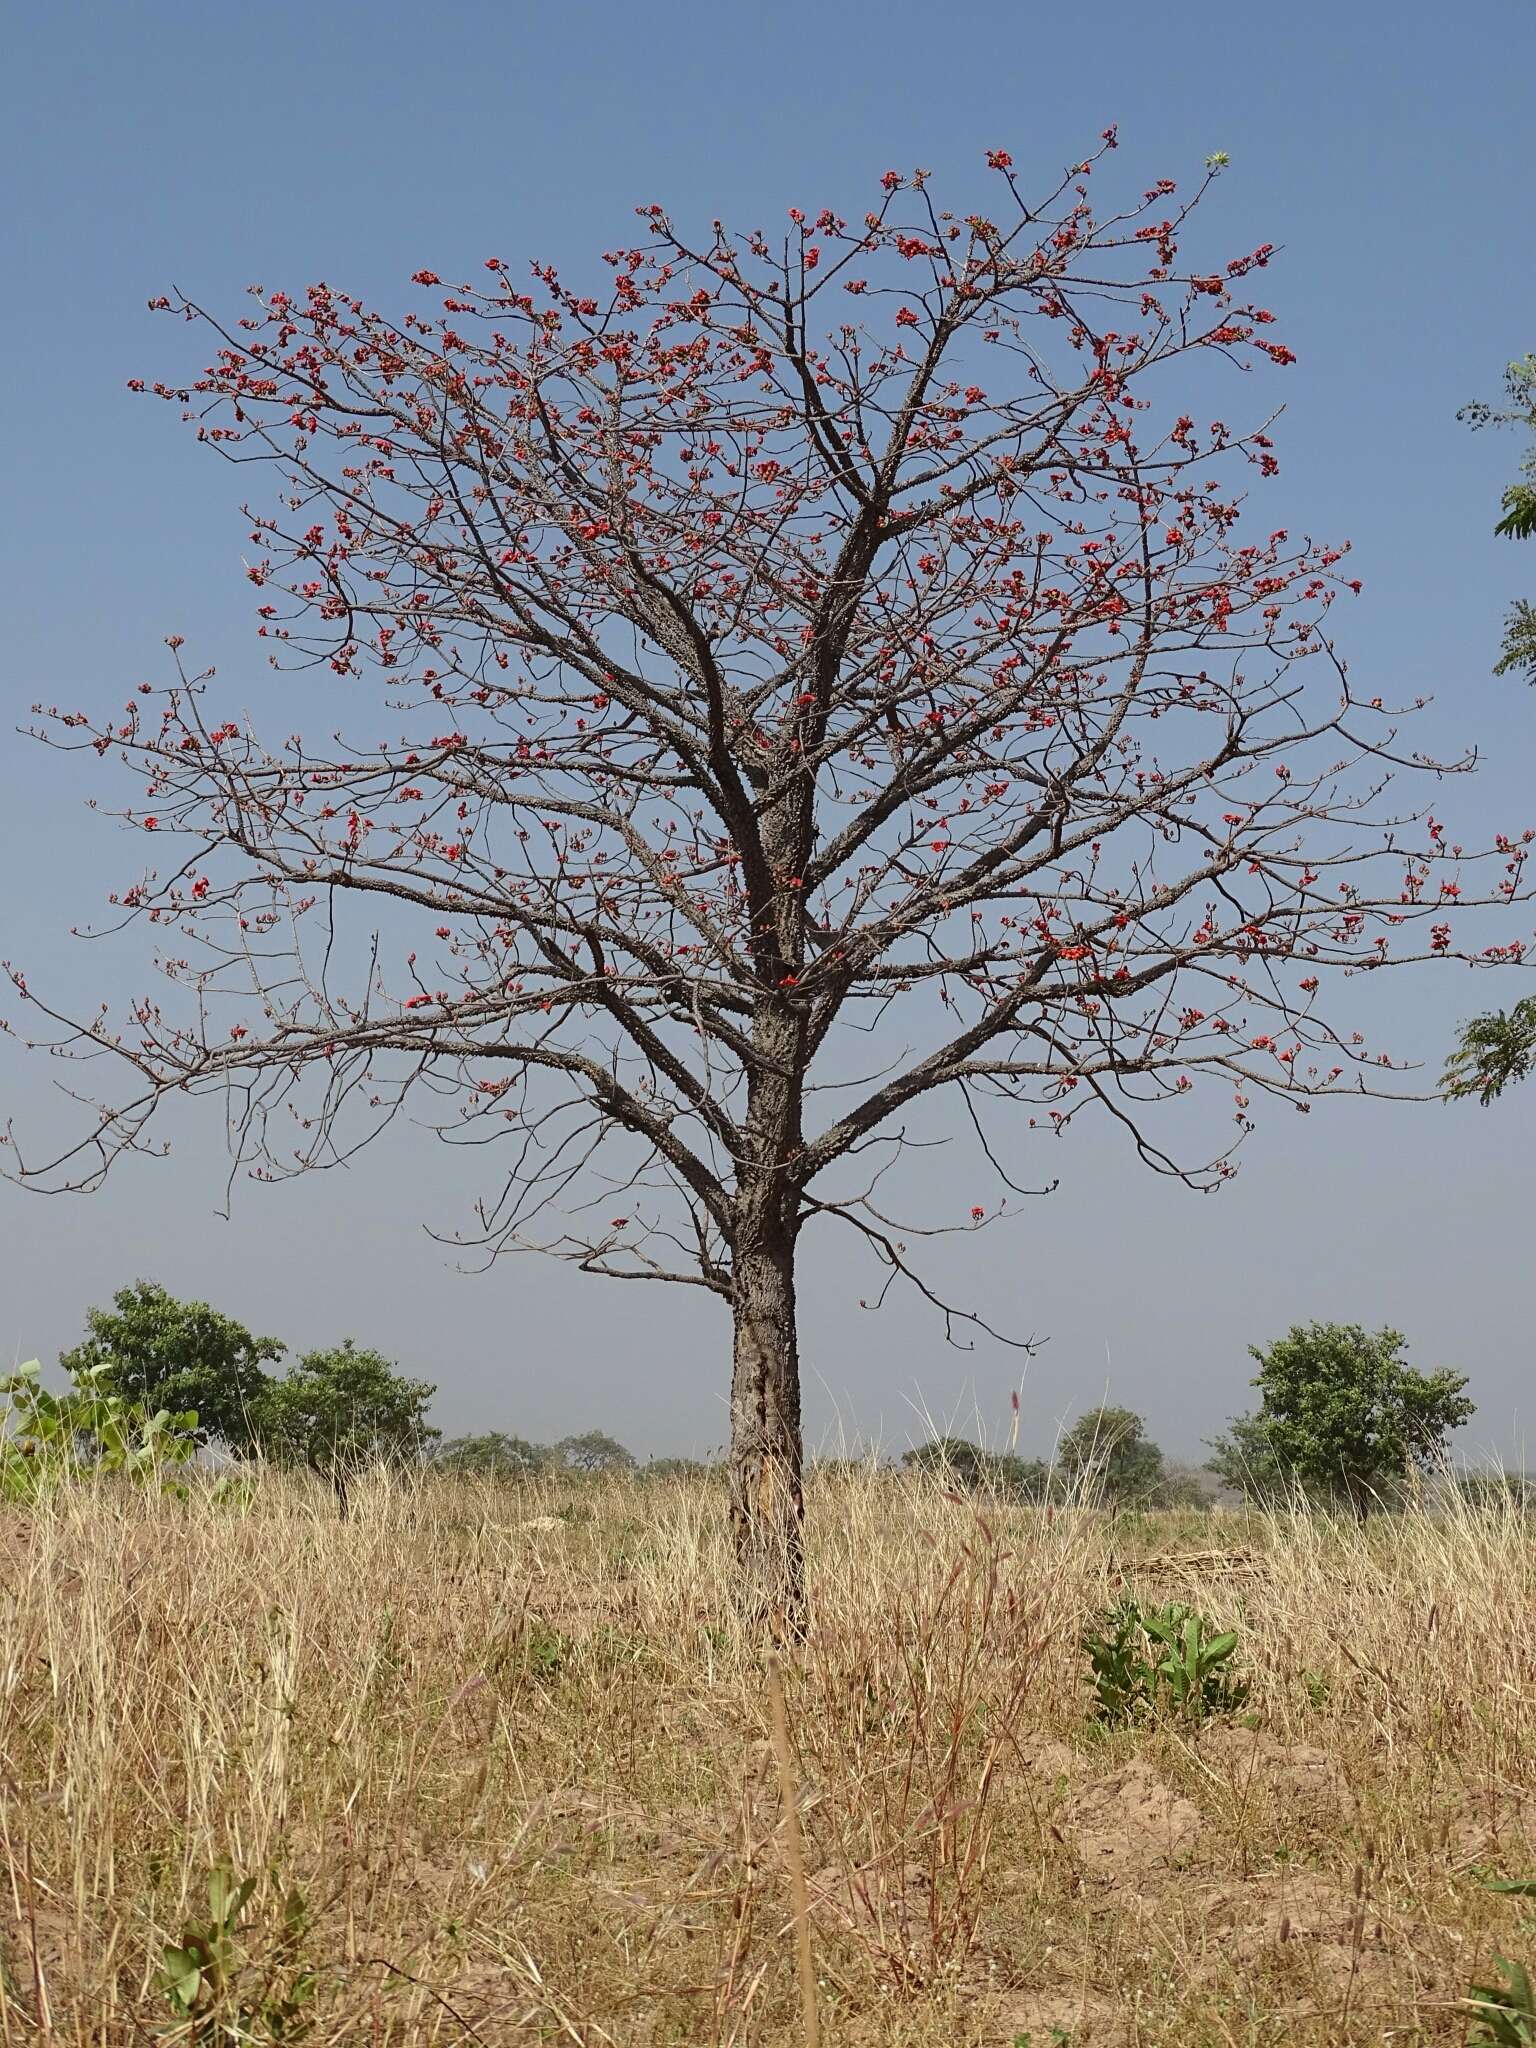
{"points": [[183, 1976]]}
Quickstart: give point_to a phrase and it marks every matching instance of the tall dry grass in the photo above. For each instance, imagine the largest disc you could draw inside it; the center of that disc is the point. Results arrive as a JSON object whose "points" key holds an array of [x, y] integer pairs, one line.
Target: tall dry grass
{"points": [[501, 1767]]}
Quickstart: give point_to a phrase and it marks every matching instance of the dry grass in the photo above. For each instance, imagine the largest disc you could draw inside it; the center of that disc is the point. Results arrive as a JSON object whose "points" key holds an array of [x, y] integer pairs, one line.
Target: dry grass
{"points": [[508, 1749]]}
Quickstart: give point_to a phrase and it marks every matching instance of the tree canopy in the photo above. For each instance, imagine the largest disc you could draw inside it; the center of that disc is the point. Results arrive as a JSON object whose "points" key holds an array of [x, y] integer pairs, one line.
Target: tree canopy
{"points": [[1341, 1417], [972, 1468], [593, 1451], [491, 1454], [1108, 1454], [783, 643], [1499, 1048], [156, 1352], [339, 1410]]}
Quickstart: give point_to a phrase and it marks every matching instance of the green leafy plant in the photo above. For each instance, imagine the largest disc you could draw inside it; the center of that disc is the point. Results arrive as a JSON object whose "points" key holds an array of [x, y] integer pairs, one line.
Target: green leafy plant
{"points": [[48, 1440], [197, 1970], [1506, 2012], [1167, 1661], [209, 1975], [545, 1650], [1341, 1418], [1317, 1689]]}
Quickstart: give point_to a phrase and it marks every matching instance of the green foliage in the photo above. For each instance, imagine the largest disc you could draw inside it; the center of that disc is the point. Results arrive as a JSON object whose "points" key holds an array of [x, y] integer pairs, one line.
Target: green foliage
{"points": [[1169, 1661], [491, 1455], [211, 1977], [1107, 1453], [1506, 2010], [677, 1468], [342, 1410], [1341, 1416], [1493, 1052], [968, 1468], [1500, 1048], [1518, 652], [1519, 504], [156, 1352], [592, 1452], [48, 1440], [1244, 1459]]}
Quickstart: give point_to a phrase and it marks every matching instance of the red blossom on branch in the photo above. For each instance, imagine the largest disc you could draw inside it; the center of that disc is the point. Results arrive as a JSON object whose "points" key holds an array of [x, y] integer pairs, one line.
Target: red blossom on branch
{"points": [[757, 675]]}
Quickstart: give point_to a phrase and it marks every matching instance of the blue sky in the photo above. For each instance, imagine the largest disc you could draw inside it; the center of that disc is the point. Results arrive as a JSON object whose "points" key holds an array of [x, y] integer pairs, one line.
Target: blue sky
{"points": [[1386, 151]]}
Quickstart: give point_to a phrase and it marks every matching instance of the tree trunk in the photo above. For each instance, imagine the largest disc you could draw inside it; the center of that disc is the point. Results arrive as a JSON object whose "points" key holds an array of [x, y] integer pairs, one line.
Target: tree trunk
{"points": [[767, 1497]]}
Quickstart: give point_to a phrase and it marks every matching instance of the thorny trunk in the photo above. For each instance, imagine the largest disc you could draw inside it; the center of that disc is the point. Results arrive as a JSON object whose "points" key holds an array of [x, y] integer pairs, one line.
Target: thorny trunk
{"points": [[767, 1498]]}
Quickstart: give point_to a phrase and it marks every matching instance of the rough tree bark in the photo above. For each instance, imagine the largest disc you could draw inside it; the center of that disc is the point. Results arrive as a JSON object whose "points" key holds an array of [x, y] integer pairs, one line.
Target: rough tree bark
{"points": [[767, 1496]]}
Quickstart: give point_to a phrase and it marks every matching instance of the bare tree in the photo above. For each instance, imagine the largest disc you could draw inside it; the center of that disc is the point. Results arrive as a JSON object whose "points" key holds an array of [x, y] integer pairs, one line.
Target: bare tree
{"points": [[818, 678]]}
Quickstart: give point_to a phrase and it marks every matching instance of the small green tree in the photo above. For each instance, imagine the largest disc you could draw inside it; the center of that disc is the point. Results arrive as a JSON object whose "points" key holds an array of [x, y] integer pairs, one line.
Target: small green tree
{"points": [[1109, 1452], [970, 1468], [491, 1455], [592, 1451], [1244, 1459], [342, 1410], [155, 1352], [1343, 1416], [954, 1459]]}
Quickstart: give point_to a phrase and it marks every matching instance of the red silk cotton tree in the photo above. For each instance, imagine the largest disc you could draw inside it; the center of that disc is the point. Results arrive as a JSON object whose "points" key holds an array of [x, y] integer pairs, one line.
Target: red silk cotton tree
{"points": [[800, 645]]}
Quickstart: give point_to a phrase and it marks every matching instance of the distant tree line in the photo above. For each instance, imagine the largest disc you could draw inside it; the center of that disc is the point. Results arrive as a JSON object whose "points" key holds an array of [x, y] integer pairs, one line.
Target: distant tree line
{"points": [[335, 1411], [1106, 1456], [493, 1455], [1342, 1422]]}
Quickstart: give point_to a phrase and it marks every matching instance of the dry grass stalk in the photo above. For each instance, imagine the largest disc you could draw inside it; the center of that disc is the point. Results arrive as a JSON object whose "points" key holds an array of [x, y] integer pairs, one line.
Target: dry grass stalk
{"points": [[794, 1851], [502, 1746]]}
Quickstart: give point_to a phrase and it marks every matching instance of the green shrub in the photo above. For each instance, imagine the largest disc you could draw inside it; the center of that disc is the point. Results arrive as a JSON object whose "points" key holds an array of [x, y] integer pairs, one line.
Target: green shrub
{"points": [[214, 1978], [49, 1440], [1169, 1661]]}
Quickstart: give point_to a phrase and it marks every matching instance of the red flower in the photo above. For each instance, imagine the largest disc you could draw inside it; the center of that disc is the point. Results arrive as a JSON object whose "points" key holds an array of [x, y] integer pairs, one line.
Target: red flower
{"points": [[906, 317], [425, 277], [977, 1212]]}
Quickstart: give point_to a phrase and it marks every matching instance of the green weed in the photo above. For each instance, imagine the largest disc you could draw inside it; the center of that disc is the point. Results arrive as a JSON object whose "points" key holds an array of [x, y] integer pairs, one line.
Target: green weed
{"points": [[1167, 1661], [1506, 2012]]}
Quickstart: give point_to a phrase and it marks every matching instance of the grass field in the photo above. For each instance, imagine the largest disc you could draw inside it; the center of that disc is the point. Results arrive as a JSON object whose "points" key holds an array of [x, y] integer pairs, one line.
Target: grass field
{"points": [[499, 1769]]}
